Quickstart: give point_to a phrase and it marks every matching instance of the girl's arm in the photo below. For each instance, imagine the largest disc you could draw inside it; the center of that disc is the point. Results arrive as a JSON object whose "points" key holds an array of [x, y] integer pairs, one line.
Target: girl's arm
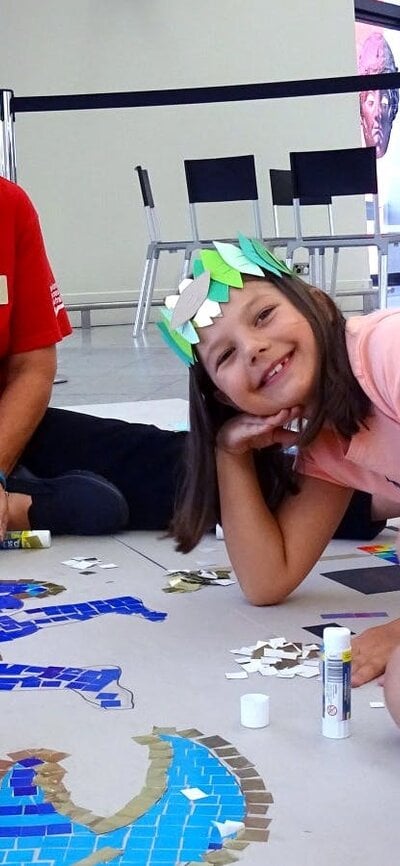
{"points": [[272, 553]]}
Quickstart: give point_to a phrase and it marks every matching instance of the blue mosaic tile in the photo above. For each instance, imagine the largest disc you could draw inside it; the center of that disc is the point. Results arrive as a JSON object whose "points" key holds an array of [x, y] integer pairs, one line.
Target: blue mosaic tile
{"points": [[39, 809], [7, 844], [30, 762]]}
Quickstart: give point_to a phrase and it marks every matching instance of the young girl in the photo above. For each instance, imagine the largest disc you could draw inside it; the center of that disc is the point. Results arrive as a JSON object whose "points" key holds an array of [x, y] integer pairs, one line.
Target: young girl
{"points": [[265, 350]]}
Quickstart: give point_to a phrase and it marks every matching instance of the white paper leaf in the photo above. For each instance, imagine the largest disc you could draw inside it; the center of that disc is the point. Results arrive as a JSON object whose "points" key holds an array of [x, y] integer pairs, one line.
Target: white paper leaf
{"points": [[208, 311], [191, 299]]}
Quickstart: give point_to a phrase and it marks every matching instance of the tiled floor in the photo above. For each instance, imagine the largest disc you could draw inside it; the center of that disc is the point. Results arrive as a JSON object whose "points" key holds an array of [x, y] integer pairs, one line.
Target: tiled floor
{"points": [[106, 365], [114, 705]]}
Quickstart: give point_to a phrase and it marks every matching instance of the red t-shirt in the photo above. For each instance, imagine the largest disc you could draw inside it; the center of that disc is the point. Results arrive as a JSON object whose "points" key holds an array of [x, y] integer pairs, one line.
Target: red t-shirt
{"points": [[32, 313]]}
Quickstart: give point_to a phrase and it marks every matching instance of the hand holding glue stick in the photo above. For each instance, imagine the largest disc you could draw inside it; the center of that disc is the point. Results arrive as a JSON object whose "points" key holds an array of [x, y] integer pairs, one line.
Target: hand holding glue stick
{"points": [[32, 539], [336, 676]]}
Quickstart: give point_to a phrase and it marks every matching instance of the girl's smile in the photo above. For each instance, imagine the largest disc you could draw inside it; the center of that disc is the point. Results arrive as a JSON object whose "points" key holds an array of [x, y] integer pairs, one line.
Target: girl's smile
{"points": [[275, 370], [261, 353]]}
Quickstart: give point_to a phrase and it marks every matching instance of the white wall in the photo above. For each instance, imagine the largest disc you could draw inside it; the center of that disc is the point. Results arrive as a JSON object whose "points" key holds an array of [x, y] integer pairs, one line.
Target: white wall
{"points": [[78, 166]]}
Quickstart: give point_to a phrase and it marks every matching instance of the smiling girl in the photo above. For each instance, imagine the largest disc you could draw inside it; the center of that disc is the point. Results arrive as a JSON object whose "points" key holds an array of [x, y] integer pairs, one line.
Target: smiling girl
{"points": [[265, 350]]}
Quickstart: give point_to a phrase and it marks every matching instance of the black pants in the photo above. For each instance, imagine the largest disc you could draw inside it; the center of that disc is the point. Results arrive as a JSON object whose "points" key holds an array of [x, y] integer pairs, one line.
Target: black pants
{"points": [[144, 462]]}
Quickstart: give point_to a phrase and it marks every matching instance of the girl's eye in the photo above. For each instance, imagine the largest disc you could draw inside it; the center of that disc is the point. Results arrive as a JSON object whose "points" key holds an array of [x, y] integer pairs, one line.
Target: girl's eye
{"points": [[223, 357], [264, 314]]}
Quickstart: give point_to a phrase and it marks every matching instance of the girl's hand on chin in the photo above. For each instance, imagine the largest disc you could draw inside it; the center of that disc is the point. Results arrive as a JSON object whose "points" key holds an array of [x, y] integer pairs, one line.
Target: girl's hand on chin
{"points": [[247, 432]]}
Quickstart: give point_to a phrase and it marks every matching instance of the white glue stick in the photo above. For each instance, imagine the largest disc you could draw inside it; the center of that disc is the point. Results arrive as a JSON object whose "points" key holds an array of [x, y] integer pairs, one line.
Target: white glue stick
{"points": [[336, 677], [33, 539]]}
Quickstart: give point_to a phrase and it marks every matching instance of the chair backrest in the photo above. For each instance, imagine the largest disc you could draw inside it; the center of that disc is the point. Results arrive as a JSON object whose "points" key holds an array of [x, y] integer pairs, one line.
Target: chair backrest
{"points": [[222, 179], [145, 186], [349, 171], [148, 203], [282, 195]]}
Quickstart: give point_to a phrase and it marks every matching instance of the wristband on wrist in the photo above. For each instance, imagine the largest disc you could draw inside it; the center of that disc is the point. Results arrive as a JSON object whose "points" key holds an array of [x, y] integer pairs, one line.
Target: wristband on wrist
{"points": [[3, 480]]}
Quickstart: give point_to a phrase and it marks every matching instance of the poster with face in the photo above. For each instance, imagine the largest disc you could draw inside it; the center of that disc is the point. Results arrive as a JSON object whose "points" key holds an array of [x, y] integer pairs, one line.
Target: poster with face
{"points": [[378, 108], [378, 51]]}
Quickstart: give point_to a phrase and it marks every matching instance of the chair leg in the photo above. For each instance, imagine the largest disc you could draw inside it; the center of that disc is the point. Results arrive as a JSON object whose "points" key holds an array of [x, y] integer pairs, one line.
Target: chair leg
{"points": [[321, 268], [313, 269], [383, 279], [186, 263], [150, 288], [335, 262], [289, 255], [143, 290]]}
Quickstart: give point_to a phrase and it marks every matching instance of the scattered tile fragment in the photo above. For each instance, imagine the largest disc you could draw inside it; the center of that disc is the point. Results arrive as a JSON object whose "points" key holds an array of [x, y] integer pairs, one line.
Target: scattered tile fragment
{"points": [[193, 793], [236, 675]]}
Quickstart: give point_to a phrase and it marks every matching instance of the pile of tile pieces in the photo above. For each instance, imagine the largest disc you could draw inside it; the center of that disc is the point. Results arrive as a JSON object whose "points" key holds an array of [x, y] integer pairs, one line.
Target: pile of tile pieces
{"points": [[190, 580], [86, 564], [277, 657]]}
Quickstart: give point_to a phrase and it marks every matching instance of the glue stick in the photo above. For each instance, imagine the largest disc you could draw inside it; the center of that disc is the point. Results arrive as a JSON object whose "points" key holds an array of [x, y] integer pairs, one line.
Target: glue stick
{"points": [[336, 676], [26, 539]]}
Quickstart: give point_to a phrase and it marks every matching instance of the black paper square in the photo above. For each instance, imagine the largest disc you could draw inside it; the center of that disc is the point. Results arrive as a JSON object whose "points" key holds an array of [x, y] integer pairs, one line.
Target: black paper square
{"points": [[385, 578], [318, 629]]}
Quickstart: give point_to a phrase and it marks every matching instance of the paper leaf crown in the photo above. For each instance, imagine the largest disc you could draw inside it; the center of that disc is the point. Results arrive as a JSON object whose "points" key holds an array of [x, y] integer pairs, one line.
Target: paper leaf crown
{"points": [[199, 299]]}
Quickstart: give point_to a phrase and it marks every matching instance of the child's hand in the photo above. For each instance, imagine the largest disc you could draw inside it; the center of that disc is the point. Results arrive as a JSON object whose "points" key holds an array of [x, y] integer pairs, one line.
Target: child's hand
{"points": [[247, 432], [371, 651]]}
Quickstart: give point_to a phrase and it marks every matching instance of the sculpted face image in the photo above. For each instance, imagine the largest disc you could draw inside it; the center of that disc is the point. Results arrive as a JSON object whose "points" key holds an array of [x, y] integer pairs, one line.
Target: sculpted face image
{"points": [[378, 108]]}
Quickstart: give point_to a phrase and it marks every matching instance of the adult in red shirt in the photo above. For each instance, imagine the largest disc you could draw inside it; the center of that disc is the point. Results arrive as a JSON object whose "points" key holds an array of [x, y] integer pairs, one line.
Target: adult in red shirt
{"points": [[32, 320]]}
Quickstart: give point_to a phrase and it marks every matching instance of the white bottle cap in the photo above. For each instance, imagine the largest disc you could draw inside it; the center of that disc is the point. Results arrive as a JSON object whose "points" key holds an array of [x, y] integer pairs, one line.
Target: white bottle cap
{"points": [[336, 639], [254, 710], [43, 535]]}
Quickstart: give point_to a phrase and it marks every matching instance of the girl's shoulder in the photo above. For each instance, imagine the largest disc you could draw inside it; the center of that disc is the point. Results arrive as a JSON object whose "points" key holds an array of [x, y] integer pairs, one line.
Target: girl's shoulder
{"points": [[373, 345], [360, 327]]}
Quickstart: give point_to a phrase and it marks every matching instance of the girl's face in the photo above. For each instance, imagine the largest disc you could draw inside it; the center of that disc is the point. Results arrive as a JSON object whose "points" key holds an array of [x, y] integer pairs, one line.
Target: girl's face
{"points": [[261, 353]]}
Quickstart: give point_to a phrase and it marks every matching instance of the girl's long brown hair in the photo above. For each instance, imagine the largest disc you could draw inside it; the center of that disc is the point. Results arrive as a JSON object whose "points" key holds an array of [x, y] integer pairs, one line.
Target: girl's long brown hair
{"points": [[339, 400]]}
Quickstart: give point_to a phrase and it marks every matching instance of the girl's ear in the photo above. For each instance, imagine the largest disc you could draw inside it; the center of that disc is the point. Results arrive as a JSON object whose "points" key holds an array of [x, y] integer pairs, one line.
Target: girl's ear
{"points": [[222, 398]]}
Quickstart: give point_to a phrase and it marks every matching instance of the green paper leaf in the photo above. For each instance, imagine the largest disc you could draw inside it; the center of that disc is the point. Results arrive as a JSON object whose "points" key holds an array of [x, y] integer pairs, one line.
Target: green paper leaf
{"points": [[249, 251], [178, 345], [198, 267], [167, 314], [218, 292], [219, 270], [236, 258], [269, 258], [187, 331]]}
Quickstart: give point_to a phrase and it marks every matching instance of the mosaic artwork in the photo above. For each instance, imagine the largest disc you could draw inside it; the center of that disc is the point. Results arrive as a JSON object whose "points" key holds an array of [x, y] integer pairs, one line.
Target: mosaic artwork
{"points": [[38, 618], [384, 551], [12, 592], [202, 802], [97, 685]]}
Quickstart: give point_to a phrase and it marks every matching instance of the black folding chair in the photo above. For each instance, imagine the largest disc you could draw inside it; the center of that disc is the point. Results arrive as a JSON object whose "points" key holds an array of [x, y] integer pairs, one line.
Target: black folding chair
{"points": [[345, 172], [221, 179], [282, 198], [155, 247]]}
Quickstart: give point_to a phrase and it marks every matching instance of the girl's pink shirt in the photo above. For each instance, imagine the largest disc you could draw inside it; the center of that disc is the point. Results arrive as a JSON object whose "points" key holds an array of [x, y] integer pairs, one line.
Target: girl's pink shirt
{"points": [[371, 460]]}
